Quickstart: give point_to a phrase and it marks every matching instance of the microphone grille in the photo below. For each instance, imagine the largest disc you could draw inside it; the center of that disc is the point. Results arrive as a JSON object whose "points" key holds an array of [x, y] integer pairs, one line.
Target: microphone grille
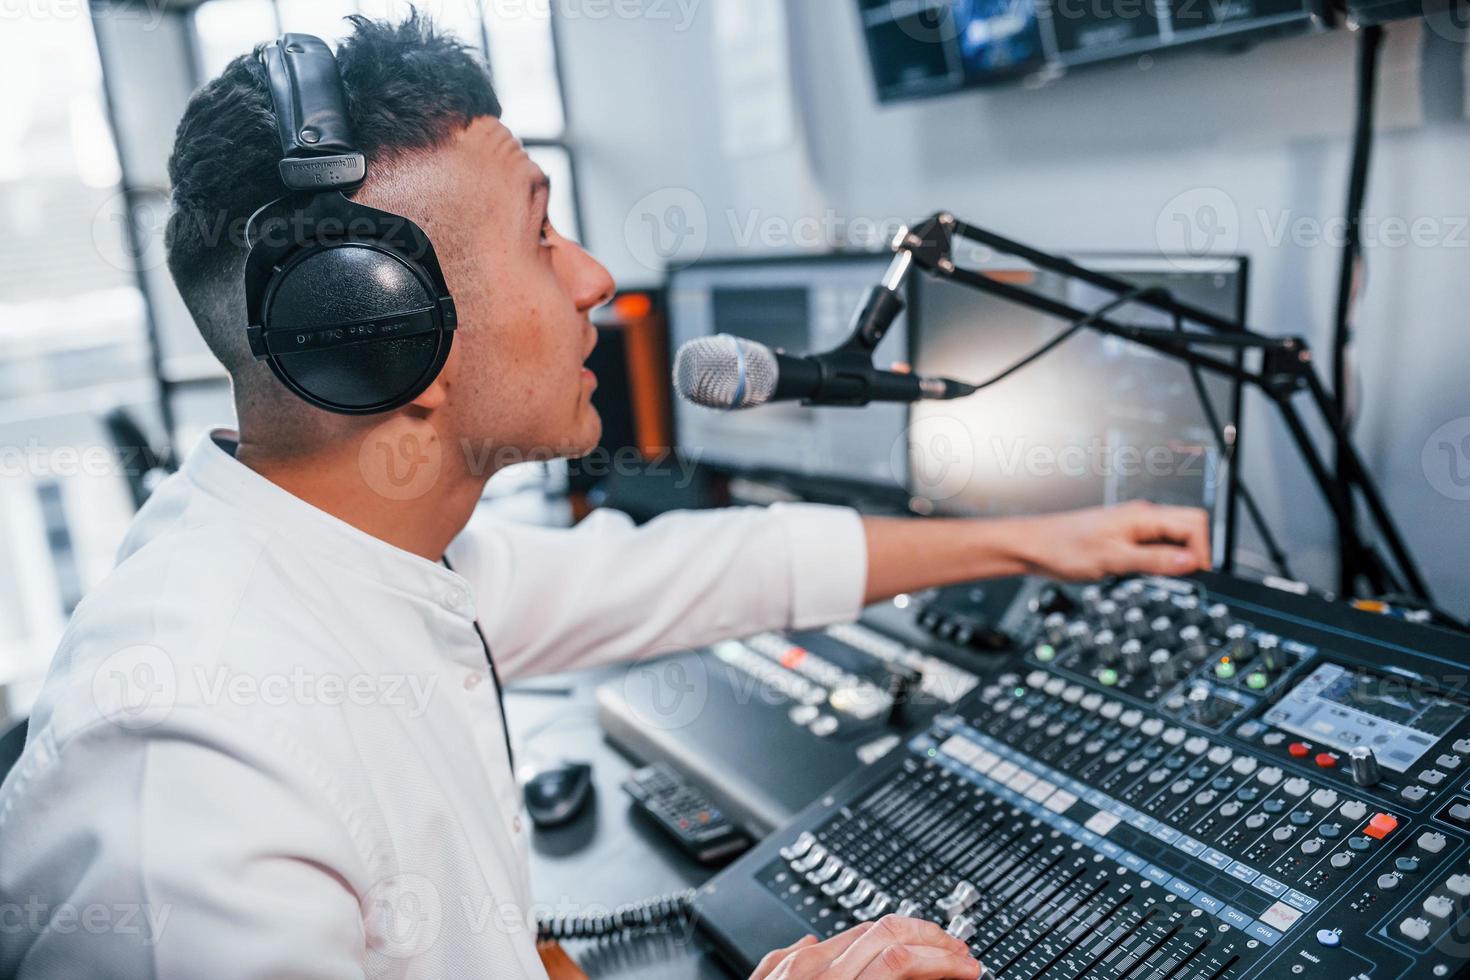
{"points": [[725, 372]]}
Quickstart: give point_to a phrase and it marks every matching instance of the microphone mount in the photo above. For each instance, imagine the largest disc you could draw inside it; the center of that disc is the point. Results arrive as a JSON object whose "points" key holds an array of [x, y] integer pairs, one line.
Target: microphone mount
{"points": [[1285, 371]]}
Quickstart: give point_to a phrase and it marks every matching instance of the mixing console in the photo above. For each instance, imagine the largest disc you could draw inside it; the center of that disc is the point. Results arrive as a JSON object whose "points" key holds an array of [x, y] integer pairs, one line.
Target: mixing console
{"points": [[1167, 779]]}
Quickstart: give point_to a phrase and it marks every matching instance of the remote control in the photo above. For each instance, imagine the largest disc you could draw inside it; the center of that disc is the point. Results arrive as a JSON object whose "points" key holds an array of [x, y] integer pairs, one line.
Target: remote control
{"points": [[684, 813]]}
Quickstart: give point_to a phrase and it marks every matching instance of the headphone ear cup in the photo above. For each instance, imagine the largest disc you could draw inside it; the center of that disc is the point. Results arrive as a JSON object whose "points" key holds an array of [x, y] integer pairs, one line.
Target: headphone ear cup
{"points": [[348, 282]]}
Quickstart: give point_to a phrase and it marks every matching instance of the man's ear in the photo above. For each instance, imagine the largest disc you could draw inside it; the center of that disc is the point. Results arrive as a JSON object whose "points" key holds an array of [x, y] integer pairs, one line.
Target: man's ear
{"points": [[434, 396]]}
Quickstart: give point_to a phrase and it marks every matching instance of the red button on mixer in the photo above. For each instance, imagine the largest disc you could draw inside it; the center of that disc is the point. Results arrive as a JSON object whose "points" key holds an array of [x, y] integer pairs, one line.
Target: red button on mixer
{"points": [[1299, 750], [1380, 826]]}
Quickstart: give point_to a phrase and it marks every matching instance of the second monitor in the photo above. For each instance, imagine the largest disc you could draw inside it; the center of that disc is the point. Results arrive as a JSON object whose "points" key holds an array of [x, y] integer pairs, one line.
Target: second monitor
{"points": [[1096, 421], [802, 305]]}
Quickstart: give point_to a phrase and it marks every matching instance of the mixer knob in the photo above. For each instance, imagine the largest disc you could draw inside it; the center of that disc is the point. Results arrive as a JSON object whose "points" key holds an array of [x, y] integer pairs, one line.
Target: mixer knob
{"points": [[1192, 644], [957, 901], [858, 895], [1364, 765], [1055, 625], [1189, 611], [1203, 708], [798, 848], [1091, 596], [909, 908], [1272, 657], [1128, 590], [1105, 645], [1080, 634], [1161, 665], [1162, 628], [1134, 659], [875, 908], [1160, 602], [1238, 644], [1217, 617], [962, 928], [1135, 623], [1108, 613]]}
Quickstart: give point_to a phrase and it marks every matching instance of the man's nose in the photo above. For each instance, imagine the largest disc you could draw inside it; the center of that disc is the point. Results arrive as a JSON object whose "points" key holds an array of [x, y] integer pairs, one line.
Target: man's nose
{"points": [[593, 285]]}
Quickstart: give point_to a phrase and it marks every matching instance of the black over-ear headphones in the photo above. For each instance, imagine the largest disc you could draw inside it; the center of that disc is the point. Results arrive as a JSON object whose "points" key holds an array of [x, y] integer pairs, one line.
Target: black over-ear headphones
{"points": [[347, 304]]}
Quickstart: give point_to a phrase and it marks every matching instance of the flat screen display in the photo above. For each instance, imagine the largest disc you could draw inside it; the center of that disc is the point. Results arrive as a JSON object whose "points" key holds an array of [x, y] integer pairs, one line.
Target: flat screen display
{"points": [[799, 305], [1096, 421], [1345, 708], [922, 48]]}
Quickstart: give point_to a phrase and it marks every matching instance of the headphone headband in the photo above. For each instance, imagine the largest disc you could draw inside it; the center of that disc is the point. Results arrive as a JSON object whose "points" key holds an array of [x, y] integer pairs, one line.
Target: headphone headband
{"points": [[318, 148]]}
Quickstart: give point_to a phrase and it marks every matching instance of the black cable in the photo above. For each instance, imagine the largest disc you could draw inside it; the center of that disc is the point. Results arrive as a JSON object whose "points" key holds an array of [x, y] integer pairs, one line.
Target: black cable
{"points": [[1227, 454], [510, 752], [650, 915], [1370, 40], [1066, 334]]}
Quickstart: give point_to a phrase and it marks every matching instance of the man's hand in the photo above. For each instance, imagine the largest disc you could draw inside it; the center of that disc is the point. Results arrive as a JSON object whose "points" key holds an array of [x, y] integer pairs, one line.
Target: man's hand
{"points": [[906, 555], [893, 948], [1135, 537]]}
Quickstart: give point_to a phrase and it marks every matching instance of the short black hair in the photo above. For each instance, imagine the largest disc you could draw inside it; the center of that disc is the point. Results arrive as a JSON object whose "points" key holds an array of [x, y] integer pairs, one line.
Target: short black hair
{"points": [[408, 88]]}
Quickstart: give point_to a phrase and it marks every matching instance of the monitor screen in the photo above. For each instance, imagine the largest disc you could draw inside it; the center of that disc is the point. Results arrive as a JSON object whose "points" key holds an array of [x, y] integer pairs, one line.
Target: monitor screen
{"points": [[1096, 421], [800, 305], [937, 46]]}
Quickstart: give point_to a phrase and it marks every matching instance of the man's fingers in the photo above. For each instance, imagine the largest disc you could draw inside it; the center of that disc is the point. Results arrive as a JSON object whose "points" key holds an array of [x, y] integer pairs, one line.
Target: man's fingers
{"points": [[892, 931], [773, 959], [1159, 559], [1188, 527], [843, 941], [920, 963]]}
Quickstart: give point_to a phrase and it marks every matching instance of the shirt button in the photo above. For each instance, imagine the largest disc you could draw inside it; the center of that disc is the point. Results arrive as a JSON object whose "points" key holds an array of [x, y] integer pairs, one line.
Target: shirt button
{"points": [[515, 823], [454, 598], [472, 681]]}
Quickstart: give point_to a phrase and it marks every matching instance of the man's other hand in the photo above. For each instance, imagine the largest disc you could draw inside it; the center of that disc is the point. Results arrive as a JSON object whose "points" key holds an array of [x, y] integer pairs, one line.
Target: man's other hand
{"points": [[1135, 537], [893, 947]]}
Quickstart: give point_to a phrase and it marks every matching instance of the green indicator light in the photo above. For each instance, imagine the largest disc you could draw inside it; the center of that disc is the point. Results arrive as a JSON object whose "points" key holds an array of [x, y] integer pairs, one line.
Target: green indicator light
{"points": [[933, 753], [1020, 692], [1225, 670], [1046, 653], [1257, 681], [1107, 677]]}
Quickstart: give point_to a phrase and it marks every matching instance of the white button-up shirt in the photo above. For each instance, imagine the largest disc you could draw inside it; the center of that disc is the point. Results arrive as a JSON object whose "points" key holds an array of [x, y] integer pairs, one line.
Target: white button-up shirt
{"points": [[270, 744]]}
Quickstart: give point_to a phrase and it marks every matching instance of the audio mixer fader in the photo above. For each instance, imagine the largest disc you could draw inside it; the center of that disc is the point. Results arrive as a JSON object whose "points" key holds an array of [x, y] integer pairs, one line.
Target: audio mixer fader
{"points": [[1194, 779]]}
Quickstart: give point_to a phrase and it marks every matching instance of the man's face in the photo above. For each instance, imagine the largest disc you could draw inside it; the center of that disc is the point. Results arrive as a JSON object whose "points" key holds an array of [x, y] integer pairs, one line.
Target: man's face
{"points": [[515, 380]]}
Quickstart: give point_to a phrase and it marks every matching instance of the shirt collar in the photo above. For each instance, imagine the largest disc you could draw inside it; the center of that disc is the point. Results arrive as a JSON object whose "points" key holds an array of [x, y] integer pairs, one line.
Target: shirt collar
{"points": [[213, 468]]}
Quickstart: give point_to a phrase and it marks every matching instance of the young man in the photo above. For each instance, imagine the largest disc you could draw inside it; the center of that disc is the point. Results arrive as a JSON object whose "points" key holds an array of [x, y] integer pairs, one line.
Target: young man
{"points": [[270, 744]]}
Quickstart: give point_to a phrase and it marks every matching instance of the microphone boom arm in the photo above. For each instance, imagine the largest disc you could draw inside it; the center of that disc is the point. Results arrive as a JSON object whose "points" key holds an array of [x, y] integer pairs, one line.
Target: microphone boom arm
{"points": [[1286, 370]]}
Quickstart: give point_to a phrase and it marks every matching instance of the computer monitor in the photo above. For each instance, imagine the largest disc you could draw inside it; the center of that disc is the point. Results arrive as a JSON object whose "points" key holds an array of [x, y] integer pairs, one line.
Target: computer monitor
{"points": [[941, 46], [1097, 421], [802, 305]]}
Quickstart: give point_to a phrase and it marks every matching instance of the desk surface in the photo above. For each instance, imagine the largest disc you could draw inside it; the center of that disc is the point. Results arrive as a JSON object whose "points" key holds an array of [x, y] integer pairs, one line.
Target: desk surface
{"points": [[610, 854]]}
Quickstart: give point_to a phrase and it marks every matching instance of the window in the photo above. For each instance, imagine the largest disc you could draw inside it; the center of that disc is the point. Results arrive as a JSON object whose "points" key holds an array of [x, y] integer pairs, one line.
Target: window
{"points": [[73, 335], [516, 39]]}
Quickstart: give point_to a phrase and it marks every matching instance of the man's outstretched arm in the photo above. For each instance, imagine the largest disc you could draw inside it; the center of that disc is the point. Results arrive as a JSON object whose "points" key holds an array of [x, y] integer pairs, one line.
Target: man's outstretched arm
{"points": [[605, 591], [906, 555]]}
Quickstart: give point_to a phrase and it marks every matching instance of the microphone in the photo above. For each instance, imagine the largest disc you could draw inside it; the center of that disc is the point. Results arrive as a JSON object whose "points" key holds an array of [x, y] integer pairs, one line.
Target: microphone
{"points": [[729, 372]]}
